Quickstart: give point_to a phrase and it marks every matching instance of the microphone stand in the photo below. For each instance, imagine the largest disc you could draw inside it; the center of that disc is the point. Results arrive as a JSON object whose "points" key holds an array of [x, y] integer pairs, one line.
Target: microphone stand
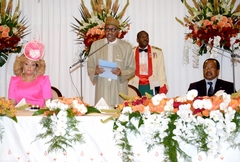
{"points": [[233, 56], [233, 65], [82, 58]]}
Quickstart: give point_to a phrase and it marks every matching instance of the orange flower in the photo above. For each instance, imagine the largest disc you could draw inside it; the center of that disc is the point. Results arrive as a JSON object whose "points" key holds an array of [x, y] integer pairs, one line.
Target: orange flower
{"points": [[6, 108], [157, 108], [214, 18], [199, 114], [1, 28], [120, 107], [6, 29], [140, 108], [5, 34], [175, 110], [11, 30], [216, 102], [224, 19], [78, 113], [234, 104], [210, 19], [91, 27], [98, 31], [206, 113], [68, 101], [207, 22], [221, 24]]}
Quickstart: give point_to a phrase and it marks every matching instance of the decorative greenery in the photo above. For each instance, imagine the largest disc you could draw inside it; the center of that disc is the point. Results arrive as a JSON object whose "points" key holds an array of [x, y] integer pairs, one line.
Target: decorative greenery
{"points": [[60, 122], [205, 122], [91, 27], [12, 30], [6, 109], [213, 23]]}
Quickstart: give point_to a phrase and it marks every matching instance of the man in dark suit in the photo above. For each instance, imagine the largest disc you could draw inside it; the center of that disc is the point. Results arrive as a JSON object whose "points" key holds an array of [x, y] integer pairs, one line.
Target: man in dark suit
{"points": [[211, 84]]}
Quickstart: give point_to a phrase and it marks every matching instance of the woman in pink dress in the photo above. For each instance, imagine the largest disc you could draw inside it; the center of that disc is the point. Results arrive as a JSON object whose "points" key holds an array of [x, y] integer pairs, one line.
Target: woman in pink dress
{"points": [[30, 82]]}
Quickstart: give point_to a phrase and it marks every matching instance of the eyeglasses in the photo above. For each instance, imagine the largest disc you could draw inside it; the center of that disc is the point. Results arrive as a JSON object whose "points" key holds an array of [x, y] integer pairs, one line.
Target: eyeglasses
{"points": [[110, 29]]}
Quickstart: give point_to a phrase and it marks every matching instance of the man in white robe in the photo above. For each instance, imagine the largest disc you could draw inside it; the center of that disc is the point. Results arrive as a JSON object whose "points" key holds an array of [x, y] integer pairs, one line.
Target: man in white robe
{"points": [[114, 50]]}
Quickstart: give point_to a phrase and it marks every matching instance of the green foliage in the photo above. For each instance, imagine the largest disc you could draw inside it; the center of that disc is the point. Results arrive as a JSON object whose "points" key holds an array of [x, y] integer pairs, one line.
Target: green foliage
{"points": [[125, 146], [202, 137], [39, 112], [236, 120], [208, 19], [64, 112], [14, 30], [127, 154], [94, 20], [61, 142], [138, 116], [91, 109], [14, 118], [150, 147], [171, 145]]}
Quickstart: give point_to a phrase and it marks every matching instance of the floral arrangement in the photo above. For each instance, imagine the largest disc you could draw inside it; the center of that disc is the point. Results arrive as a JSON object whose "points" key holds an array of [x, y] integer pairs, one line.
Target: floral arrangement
{"points": [[205, 122], [213, 23], [12, 30], [91, 27], [6, 109], [60, 122]]}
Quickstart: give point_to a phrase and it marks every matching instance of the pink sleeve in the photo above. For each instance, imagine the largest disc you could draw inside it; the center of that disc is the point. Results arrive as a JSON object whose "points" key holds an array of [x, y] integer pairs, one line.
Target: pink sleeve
{"points": [[46, 88]]}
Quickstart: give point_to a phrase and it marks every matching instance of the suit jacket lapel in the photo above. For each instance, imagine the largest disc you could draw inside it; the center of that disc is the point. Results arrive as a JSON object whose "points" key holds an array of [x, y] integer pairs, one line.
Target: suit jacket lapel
{"points": [[203, 89]]}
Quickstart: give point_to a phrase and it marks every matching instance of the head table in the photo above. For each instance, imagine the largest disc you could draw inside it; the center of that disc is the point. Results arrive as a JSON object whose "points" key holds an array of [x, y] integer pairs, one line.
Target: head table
{"points": [[18, 143]]}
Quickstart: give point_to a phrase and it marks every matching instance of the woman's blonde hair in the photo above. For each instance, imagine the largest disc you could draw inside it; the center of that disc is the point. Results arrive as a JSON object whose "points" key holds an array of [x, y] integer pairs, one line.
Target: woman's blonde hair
{"points": [[20, 61]]}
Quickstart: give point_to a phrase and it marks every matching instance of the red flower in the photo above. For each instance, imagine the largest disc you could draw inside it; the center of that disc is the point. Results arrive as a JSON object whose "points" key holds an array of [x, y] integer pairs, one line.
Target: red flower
{"points": [[91, 28], [213, 23]]}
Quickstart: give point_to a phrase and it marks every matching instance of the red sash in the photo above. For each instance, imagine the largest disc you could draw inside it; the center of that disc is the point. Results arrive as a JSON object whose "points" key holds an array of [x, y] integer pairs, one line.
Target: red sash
{"points": [[143, 79]]}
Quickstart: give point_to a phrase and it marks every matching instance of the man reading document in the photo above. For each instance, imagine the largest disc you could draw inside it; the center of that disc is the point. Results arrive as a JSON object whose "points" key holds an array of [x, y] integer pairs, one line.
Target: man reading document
{"points": [[115, 50]]}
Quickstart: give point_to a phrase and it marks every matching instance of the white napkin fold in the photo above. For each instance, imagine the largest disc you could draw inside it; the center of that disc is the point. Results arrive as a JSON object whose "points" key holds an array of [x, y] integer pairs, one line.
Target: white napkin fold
{"points": [[101, 104], [21, 103]]}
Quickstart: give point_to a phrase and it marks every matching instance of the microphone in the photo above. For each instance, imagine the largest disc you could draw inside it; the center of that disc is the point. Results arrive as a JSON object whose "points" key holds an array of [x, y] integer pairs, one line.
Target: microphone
{"points": [[98, 49], [81, 60]]}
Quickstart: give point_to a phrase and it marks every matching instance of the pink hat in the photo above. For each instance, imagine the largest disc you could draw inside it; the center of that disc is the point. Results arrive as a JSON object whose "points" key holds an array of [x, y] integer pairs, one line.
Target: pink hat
{"points": [[34, 50]]}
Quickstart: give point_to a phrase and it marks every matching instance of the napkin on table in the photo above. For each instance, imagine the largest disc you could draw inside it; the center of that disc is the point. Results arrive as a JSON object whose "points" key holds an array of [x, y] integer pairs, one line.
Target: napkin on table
{"points": [[102, 104], [22, 104]]}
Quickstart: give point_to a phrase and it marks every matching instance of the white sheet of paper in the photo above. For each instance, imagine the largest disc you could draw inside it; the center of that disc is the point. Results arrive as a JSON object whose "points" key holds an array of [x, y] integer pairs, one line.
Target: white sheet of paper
{"points": [[108, 66], [21, 103]]}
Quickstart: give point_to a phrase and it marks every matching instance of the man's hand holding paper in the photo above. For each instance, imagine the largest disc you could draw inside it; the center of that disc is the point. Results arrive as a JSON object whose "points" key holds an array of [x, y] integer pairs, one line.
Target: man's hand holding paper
{"points": [[109, 69], [99, 70], [116, 71]]}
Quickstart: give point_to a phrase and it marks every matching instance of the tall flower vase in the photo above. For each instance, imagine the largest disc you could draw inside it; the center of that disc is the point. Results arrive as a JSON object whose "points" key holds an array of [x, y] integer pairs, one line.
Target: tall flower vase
{"points": [[6, 71]]}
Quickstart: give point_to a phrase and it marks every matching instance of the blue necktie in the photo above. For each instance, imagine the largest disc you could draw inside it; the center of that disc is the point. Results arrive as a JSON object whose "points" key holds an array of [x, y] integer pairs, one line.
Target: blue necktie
{"points": [[210, 89]]}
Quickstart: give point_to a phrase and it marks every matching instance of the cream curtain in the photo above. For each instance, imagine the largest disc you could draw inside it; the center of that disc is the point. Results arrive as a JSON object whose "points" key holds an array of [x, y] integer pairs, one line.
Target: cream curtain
{"points": [[50, 21]]}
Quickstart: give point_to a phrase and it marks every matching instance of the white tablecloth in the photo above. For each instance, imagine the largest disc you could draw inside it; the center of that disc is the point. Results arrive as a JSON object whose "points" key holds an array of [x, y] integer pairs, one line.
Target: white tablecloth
{"points": [[18, 146]]}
